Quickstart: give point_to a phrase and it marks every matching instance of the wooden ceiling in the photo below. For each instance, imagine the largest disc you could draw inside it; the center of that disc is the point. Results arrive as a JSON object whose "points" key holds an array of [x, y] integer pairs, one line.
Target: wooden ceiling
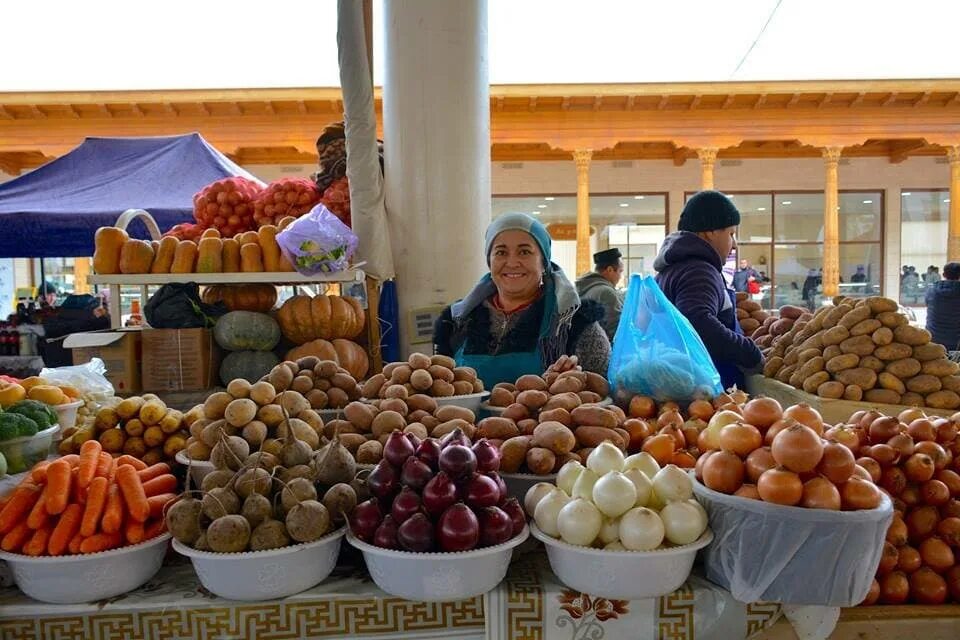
{"points": [[893, 119]]}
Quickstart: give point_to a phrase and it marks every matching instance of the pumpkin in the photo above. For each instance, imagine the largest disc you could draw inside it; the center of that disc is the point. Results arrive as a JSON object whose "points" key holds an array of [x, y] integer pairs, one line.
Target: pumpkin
{"points": [[166, 249], [303, 318], [108, 242], [242, 297], [136, 256], [246, 331], [249, 365], [345, 353]]}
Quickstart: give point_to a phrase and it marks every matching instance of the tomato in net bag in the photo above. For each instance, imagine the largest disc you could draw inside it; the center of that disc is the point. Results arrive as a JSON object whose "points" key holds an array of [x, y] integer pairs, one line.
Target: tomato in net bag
{"points": [[227, 205], [336, 198], [285, 197]]}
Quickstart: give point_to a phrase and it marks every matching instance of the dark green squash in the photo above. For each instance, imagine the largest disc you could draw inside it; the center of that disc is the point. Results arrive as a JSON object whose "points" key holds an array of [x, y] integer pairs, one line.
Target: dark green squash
{"points": [[247, 331]]}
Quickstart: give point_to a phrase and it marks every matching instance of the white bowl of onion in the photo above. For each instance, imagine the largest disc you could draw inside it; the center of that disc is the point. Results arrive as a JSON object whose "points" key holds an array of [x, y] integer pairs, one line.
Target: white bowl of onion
{"points": [[619, 527]]}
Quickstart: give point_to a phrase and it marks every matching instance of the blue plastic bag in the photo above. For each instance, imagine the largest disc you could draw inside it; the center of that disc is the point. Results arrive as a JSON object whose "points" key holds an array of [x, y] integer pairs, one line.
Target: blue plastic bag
{"points": [[318, 242], [656, 351]]}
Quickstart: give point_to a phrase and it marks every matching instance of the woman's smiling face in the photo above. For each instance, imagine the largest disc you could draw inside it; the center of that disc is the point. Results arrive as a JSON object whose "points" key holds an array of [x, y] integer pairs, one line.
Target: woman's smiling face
{"points": [[516, 265]]}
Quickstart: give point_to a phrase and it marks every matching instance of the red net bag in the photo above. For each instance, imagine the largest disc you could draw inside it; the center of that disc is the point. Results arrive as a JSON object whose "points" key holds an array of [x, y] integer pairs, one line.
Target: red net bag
{"points": [[227, 205], [336, 198], [285, 197], [185, 231]]}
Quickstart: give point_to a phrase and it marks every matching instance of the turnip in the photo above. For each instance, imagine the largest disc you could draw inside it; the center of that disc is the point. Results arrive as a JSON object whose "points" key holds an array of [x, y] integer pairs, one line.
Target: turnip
{"points": [[220, 502], [359, 484], [333, 463], [340, 501], [286, 474], [308, 521], [297, 490], [201, 543], [256, 509], [261, 459], [229, 453], [214, 479], [254, 480], [183, 519], [229, 534], [270, 534], [294, 451]]}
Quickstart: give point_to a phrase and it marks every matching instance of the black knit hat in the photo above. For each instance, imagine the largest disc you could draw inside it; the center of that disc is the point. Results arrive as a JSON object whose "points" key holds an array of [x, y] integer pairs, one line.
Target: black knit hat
{"points": [[708, 211]]}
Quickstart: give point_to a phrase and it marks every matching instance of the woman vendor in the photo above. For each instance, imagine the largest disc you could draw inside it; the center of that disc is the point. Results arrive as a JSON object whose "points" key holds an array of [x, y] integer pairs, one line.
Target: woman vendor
{"points": [[525, 315], [690, 273]]}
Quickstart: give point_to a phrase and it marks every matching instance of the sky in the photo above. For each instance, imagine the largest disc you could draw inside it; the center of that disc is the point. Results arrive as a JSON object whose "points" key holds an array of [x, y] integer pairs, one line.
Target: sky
{"points": [[60, 45]]}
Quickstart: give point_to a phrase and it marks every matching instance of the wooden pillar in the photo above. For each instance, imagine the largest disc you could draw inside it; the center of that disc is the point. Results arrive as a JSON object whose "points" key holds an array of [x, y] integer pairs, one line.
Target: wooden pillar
{"points": [[831, 223], [953, 235], [582, 159], [708, 158], [81, 270]]}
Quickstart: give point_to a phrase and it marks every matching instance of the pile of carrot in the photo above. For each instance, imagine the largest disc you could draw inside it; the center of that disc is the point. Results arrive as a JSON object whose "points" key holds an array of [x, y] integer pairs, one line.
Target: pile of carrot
{"points": [[86, 503]]}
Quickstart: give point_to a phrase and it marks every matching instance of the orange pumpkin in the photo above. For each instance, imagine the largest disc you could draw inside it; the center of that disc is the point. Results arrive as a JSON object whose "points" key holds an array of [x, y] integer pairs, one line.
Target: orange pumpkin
{"points": [[346, 353], [303, 318], [242, 297], [107, 243], [136, 256]]}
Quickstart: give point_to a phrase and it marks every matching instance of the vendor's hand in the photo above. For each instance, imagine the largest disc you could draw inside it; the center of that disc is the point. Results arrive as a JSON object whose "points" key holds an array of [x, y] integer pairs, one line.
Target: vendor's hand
{"points": [[565, 363]]}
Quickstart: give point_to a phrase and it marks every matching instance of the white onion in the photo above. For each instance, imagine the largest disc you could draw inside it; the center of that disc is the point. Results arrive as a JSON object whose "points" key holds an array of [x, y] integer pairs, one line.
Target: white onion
{"points": [[641, 529], [605, 458], [616, 545], [609, 530], [682, 523], [568, 475], [583, 487], [614, 494], [535, 494], [548, 510], [671, 484], [701, 511], [642, 485], [579, 522], [718, 422], [644, 462]]}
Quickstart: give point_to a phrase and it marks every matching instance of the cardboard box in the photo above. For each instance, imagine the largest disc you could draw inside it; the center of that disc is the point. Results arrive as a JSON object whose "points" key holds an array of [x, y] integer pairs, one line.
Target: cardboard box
{"points": [[179, 360], [119, 350]]}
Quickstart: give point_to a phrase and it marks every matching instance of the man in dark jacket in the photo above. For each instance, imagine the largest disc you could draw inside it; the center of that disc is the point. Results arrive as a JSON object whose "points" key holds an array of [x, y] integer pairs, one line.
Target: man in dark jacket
{"points": [[600, 285], [943, 308], [690, 273], [741, 277]]}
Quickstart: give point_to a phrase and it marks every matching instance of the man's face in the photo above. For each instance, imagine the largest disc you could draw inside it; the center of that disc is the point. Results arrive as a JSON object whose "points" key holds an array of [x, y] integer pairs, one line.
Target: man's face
{"points": [[744, 264], [724, 241], [613, 274]]}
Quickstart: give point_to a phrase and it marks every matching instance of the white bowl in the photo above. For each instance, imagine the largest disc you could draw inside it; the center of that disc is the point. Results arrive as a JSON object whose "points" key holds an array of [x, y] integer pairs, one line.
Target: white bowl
{"points": [[470, 401], [24, 452], [89, 577], [67, 414], [198, 468], [435, 577], [487, 409], [624, 575], [519, 483], [265, 575]]}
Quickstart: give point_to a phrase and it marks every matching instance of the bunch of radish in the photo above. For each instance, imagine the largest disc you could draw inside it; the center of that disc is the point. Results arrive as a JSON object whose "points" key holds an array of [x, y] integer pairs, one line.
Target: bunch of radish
{"points": [[285, 197], [227, 205]]}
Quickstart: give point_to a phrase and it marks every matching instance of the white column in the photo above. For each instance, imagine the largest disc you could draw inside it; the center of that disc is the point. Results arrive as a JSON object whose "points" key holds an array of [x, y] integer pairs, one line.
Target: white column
{"points": [[436, 120]]}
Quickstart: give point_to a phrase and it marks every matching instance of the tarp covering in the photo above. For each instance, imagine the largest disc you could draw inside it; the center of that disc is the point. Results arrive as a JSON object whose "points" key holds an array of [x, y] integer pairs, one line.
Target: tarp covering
{"points": [[54, 210]]}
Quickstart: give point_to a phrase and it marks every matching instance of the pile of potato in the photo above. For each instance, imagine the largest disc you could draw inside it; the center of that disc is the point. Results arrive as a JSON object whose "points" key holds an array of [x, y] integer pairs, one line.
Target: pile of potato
{"points": [[751, 315], [139, 426], [324, 383], [865, 350], [257, 414], [532, 391], [764, 328], [436, 376]]}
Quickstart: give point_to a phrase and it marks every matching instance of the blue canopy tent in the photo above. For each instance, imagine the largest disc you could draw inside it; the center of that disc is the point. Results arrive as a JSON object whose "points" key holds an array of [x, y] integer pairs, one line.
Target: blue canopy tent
{"points": [[55, 210]]}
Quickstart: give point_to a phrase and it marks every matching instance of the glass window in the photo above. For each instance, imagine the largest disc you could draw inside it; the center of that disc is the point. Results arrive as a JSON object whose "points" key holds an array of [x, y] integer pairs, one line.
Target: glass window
{"points": [[924, 217], [755, 216], [798, 217], [758, 257], [860, 216], [860, 273], [798, 275]]}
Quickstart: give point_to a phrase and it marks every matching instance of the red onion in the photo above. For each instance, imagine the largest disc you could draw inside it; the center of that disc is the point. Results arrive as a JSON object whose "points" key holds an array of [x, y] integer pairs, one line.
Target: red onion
{"points": [[458, 528], [482, 491], [457, 461], [457, 436], [511, 506], [405, 505], [365, 519], [429, 452], [386, 534], [415, 473], [439, 494], [397, 449], [496, 527], [414, 440], [504, 491], [416, 534], [383, 481], [488, 456]]}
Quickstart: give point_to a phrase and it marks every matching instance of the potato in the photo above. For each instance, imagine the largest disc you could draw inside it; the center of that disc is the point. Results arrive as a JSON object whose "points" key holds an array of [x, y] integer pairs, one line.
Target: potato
{"points": [[430, 422], [589, 397], [860, 376], [924, 384], [254, 432], [173, 445], [421, 402], [786, 372], [135, 447], [386, 422], [929, 351], [943, 400], [791, 312], [951, 383], [361, 415], [565, 385], [842, 362], [860, 345], [882, 396], [904, 369], [129, 407], [912, 336], [940, 368], [812, 366], [832, 390], [444, 428], [421, 380], [113, 440], [152, 412], [834, 316], [893, 351], [911, 399], [154, 436], [499, 428], [594, 416], [598, 384], [419, 361], [438, 372], [516, 412], [527, 426], [417, 429], [772, 365], [534, 400], [216, 404], [353, 441], [292, 402], [513, 453], [540, 461], [865, 327], [370, 452], [450, 412], [793, 356], [467, 374], [812, 383], [878, 304], [500, 397], [338, 398], [882, 336], [443, 361], [270, 415], [892, 319], [813, 342], [371, 388], [872, 362], [796, 380], [531, 382], [134, 427], [281, 377], [593, 436], [807, 355], [891, 382], [568, 401], [557, 415], [443, 389], [554, 436], [241, 411], [854, 317], [853, 393]]}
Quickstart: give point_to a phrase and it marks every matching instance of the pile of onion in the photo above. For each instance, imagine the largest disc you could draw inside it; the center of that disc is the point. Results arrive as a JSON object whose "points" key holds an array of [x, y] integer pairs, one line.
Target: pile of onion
{"points": [[778, 455], [916, 461]]}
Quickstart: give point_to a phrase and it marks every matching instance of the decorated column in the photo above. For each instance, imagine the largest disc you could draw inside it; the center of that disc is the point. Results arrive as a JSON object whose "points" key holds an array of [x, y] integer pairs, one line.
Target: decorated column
{"points": [[953, 235], [831, 223], [582, 159], [708, 158]]}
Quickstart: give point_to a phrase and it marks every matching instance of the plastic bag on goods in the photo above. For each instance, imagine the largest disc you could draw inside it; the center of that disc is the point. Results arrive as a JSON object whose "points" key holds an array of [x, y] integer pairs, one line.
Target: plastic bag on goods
{"points": [[771, 553], [87, 378], [318, 242], [656, 351], [178, 306]]}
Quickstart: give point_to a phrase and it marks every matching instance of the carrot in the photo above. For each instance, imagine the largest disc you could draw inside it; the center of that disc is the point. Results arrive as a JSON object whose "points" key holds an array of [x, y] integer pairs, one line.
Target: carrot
{"points": [[89, 460], [19, 505], [14, 540], [113, 512], [74, 546], [78, 494], [96, 502], [59, 478], [134, 532], [67, 527], [154, 471], [38, 515], [37, 544], [154, 529], [136, 463], [105, 465], [158, 502], [101, 542], [39, 472], [161, 484], [72, 459], [133, 493]]}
